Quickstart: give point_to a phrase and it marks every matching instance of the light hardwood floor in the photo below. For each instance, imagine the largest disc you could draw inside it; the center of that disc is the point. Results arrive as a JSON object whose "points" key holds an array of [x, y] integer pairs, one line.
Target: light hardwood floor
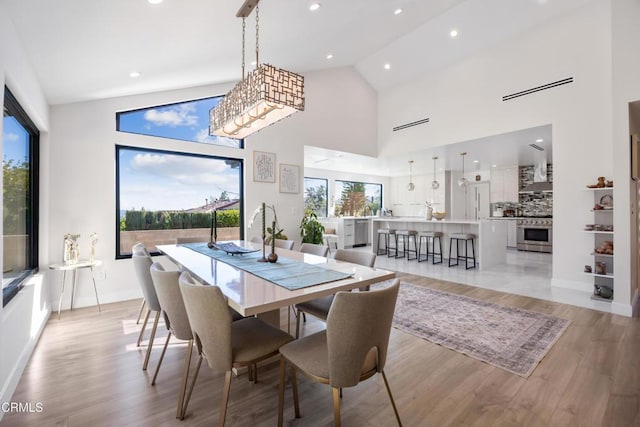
{"points": [[86, 371]]}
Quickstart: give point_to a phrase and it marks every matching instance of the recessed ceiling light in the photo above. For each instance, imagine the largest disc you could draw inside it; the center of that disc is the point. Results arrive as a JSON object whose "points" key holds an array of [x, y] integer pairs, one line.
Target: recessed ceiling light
{"points": [[314, 7], [453, 33], [134, 74], [539, 140], [387, 66], [329, 56], [154, 1], [494, 166], [476, 161], [397, 11]]}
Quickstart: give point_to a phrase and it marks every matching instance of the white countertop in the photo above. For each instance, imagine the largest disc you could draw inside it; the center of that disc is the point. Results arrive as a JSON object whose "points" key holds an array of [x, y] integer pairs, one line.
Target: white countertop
{"points": [[426, 221]]}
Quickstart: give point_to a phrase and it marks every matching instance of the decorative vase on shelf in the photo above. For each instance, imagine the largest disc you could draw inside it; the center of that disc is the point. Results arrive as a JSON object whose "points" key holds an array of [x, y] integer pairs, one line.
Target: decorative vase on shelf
{"points": [[429, 213]]}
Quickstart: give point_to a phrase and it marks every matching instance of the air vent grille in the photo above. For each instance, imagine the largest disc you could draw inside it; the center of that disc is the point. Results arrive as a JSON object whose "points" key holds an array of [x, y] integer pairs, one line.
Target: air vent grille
{"points": [[536, 146], [537, 89], [408, 125]]}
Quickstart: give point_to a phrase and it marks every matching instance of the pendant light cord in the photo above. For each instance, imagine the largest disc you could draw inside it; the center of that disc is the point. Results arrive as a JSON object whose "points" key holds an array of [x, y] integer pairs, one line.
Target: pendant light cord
{"points": [[243, 28], [257, 33]]}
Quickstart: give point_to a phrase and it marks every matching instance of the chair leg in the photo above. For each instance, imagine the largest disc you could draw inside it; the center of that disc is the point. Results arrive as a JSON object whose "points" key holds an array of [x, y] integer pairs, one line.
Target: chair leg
{"points": [[144, 325], [151, 337], [299, 313], [336, 407], [225, 398], [255, 373], [250, 373], [164, 350], [294, 390], [283, 368], [141, 310], [193, 383], [433, 252], [185, 378], [393, 403]]}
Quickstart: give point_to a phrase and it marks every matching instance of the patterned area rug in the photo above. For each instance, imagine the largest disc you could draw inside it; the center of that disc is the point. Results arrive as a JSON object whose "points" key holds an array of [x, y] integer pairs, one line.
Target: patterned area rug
{"points": [[510, 338]]}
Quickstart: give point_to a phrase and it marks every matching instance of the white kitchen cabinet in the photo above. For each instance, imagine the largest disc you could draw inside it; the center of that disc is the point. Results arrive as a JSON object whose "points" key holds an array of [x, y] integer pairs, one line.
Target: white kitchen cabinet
{"points": [[348, 233], [504, 185], [512, 233]]}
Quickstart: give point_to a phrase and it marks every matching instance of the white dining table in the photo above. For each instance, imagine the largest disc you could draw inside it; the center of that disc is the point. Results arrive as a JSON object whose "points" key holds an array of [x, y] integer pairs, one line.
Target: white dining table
{"points": [[251, 295]]}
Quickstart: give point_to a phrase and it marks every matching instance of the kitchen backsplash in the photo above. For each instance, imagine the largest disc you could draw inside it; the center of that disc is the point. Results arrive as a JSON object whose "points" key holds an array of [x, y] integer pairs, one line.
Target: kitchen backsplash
{"points": [[536, 204]]}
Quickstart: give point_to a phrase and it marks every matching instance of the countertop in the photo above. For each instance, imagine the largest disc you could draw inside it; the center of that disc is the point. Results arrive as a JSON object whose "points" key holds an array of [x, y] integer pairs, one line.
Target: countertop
{"points": [[426, 221]]}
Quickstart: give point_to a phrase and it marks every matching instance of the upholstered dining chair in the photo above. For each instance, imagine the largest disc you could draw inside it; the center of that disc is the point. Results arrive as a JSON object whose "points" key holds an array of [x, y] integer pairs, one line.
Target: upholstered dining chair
{"points": [[351, 349], [310, 248], [175, 316], [223, 343], [285, 244], [140, 247], [142, 263], [319, 307], [256, 239]]}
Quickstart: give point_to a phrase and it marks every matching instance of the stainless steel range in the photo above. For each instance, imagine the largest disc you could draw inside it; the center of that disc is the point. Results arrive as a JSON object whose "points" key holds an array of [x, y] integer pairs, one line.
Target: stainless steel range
{"points": [[535, 234]]}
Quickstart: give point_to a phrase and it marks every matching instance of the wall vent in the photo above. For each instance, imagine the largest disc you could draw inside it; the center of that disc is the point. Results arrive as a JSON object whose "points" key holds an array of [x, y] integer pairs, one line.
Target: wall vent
{"points": [[537, 89], [536, 146], [408, 125]]}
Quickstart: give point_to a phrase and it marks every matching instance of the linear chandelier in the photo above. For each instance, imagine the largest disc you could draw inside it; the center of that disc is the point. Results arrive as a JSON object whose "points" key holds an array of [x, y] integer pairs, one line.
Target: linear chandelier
{"points": [[265, 96]]}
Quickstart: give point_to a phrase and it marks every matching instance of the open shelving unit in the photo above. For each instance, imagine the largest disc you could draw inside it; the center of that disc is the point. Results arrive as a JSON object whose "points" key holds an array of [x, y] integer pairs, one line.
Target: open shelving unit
{"points": [[602, 217]]}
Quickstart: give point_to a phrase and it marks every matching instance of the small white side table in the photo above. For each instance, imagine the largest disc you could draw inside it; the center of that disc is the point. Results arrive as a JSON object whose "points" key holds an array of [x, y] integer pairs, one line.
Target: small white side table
{"points": [[85, 263]]}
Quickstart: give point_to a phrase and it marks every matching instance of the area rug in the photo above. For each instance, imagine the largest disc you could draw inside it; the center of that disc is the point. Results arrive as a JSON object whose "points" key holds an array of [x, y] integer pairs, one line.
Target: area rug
{"points": [[510, 338]]}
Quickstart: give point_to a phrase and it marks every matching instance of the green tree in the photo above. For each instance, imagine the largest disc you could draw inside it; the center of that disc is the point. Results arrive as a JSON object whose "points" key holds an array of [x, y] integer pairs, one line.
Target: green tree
{"points": [[224, 196], [352, 198], [315, 198], [15, 194]]}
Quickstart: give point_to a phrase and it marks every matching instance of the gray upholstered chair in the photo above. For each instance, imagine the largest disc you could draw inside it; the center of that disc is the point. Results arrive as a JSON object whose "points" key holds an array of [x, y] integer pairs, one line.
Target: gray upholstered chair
{"points": [[134, 248], [175, 316], [285, 244], [351, 349], [319, 307], [310, 248], [256, 239], [226, 344], [142, 263]]}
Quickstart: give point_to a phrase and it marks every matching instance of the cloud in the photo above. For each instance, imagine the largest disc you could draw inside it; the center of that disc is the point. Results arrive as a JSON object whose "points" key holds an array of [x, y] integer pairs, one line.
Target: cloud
{"points": [[10, 136], [203, 136], [179, 115]]}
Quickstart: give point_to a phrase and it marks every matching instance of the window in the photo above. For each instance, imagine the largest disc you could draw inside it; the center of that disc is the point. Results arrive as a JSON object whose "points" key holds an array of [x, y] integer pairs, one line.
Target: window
{"points": [[20, 197], [187, 121], [357, 198], [162, 196], [316, 195]]}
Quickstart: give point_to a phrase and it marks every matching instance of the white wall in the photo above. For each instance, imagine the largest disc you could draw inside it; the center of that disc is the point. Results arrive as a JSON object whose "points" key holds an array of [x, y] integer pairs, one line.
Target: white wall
{"points": [[82, 176], [22, 320], [464, 102]]}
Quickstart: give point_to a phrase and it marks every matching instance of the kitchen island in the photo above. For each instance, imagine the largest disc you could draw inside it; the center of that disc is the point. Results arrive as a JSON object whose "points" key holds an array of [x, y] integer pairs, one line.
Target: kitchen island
{"points": [[489, 243]]}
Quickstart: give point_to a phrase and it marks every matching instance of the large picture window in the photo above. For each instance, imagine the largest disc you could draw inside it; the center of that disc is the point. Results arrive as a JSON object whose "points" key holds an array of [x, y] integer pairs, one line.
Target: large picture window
{"points": [[163, 197], [316, 195], [357, 198], [186, 121], [20, 197]]}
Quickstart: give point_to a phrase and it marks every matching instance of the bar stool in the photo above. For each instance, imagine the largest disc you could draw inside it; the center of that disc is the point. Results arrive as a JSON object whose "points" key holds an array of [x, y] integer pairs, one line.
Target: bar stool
{"points": [[406, 242], [430, 235], [385, 232], [466, 237], [330, 237]]}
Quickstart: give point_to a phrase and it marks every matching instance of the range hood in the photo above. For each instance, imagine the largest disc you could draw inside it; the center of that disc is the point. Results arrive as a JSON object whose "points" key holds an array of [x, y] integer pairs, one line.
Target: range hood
{"points": [[540, 183]]}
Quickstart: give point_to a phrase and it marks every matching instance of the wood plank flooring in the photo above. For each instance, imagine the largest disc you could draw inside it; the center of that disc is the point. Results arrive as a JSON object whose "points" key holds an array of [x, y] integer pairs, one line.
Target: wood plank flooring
{"points": [[87, 371]]}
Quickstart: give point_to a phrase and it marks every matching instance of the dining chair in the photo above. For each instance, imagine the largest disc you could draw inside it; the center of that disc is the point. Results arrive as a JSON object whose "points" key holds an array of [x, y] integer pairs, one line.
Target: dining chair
{"points": [[167, 288], [285, 244], [256, 239], [140, 247], [352, 349], [319, 307], [142, 263], [223, 343], [310, 248]]}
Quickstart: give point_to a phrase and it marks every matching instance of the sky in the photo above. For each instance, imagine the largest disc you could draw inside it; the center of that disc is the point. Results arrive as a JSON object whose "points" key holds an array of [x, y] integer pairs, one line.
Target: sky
{"points": [[14, 140], [161, 181]]}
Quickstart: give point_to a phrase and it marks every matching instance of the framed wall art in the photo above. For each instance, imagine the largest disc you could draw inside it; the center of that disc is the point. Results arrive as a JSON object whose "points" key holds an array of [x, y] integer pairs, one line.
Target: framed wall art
{"points": [[289, 178], [264, 166]]}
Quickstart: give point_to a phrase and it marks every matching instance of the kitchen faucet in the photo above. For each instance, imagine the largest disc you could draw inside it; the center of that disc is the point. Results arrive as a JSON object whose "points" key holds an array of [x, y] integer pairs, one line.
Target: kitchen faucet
{"points": [[364, 211]]}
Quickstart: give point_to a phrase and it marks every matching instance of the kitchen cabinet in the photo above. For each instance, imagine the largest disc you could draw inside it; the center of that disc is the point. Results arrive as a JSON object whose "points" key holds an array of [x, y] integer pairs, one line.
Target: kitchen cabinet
{"points": [[348, 233], [504, 185], [602, 231], [512, 233]]}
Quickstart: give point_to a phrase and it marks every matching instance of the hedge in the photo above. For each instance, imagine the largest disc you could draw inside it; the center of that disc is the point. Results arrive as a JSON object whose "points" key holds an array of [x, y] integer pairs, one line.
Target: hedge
{"points": [[166, 220]]}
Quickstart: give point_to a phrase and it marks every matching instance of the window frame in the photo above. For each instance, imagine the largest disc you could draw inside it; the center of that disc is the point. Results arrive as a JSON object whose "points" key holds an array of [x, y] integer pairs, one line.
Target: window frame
{"points": [[170, 104], [326, 190], [12, 105], [119, 147], [365, 183]]}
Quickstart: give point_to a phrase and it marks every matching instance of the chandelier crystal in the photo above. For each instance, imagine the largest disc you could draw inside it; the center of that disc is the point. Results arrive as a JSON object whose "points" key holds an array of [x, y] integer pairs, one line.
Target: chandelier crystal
{"points": [[265, 96]]}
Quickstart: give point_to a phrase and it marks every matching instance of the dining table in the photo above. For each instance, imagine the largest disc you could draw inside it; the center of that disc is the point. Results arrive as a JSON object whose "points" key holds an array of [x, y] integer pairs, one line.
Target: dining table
{"points": [[249, 294]]}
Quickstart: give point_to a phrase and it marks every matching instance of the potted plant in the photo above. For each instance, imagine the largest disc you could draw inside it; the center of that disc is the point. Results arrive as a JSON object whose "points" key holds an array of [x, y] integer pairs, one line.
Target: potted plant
{"points": [[310, 228]]}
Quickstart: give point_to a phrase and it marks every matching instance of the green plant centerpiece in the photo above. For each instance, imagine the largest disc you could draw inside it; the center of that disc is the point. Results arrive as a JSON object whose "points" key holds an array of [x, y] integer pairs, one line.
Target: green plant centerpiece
{"points": [[311, 230]]}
